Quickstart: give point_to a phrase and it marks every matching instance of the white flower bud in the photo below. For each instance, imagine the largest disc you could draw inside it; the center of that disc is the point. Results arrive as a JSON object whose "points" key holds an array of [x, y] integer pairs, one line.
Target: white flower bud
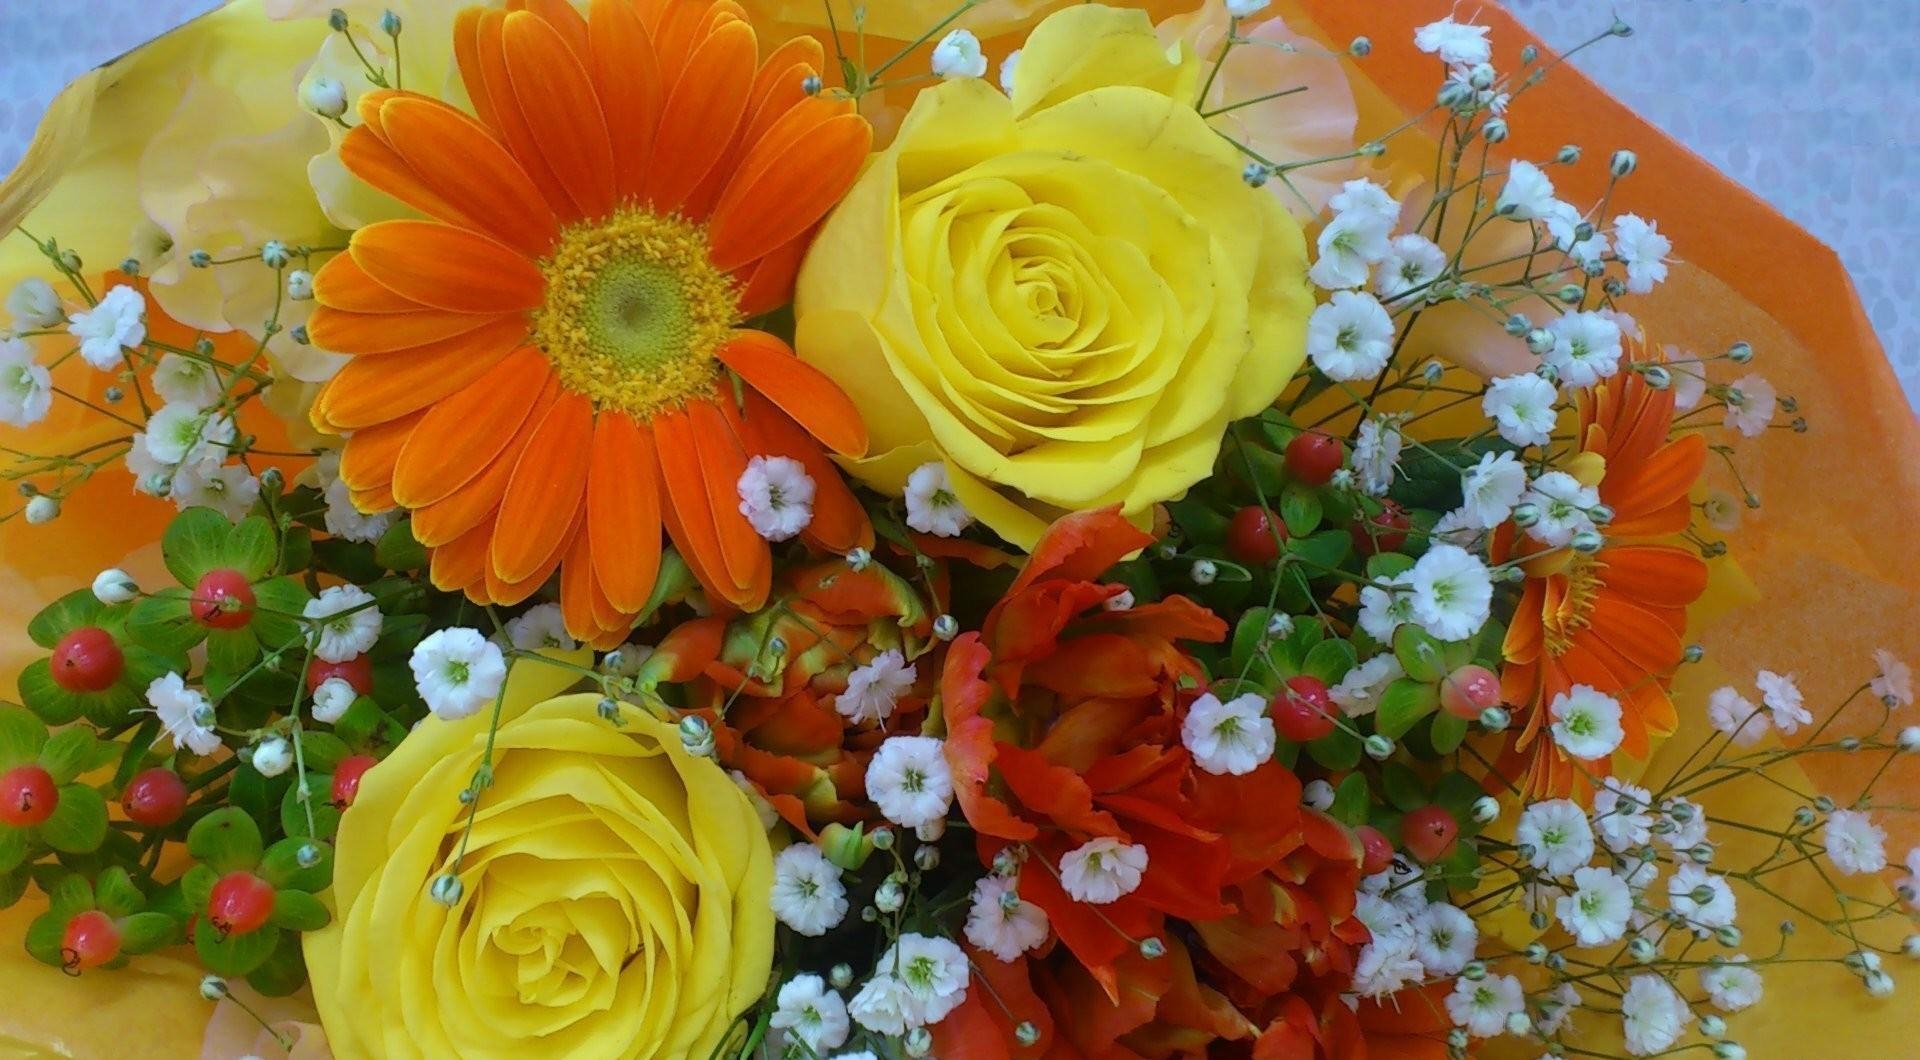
{"points": [[696, 736], [213, 988], [273, 756], [326, 97], [1712, 1026], [1486, 809], [1879, 984], [1204, 572], [275, 254], [1624, 162], [1495, 719], [299, 285], [1378, 747], [114, 586], [1317, 794], [42, 509], [447, 890]]}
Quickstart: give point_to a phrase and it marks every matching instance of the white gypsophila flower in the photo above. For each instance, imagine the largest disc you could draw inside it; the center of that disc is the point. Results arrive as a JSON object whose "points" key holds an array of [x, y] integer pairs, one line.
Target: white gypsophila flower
{"points": [[1000, 922], [1522, 408], [1350, 337], [185, 714], [1234, 737], [1452, 592], [1556, 1010], [1751, 402], [345, 623], [1721, 510], [331, 700], [1854, 843], [1586, 722], [543, 626], [114, 586], [34, 304], [1456, 43], [1780, 695], [1490, 488], [1411, 265], [1008, 66], [1563, 504], [874, 687], [934, 973], [150, 476], [117, 323], [1704, 899], [1689, 823], [932, 507], [1732, 985], [908, 780], [1384, 606], [1527, 195], [1894, 683], [958, 55], [180, 433], [1366, 199], [776, 496], [1102, 870], [1482, 1006], [881, 1005], [1358, 691], [808, 1010], [807, 893], [1444, 939], [1386, 965], [1563, 223], [272, 757], [346, 521], [1597, 911], [229, 489], [457, 671], [1400, 884], [1638, 242], [1689, 380], [1558, 833], [1586, 348], [186, 380], [1346, 249], [1246, 8], [1457, 528], [1653, 1015], [26, 387], [1734, 714], [1621, 814], [1376, 456]]}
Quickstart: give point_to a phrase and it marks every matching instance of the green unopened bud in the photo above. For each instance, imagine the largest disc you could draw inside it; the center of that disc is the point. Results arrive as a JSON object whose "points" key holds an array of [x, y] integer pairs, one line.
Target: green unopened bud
{"points": [[1495, 130], [1740, 352], [1728, 936], [696, 736], [1204, 572], [882, 838], [1518, 325], [1474, 971], [390, 24], [275, 254], [926, 858], [1536, 953], [1152, 949], [1568, 155], [1026, 1033], [946, 627], [1587, 542], [213, 988], [199, 259], [1360, 48], [1824, 804], [447, 889], [919, 1042], [1378, 747], [1641, 949], [1255, 174], [337, 20], [1540, 341], [1657, 377], [1526, 515], [1529, 53], [1572, 293], [1694, 653], [1495, 719], [890, 897]]}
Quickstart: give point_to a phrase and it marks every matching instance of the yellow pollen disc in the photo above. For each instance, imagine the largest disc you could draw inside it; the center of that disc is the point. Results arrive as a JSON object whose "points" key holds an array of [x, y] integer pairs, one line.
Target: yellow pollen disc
{"points": [[634, 312], [1575, 612]]}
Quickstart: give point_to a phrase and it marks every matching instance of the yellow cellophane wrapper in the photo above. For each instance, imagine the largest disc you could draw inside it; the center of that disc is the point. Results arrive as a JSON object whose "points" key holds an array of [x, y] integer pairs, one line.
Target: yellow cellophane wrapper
{"points": [[1821, 575]]}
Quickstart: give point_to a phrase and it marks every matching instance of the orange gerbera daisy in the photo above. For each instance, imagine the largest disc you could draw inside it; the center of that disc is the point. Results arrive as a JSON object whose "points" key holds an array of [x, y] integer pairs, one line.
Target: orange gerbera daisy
{"points": [[550, 367], [1613, 620]]}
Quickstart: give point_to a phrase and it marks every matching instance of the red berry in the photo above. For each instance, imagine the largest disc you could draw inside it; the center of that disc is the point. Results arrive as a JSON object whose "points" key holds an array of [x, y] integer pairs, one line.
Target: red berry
{"points": [[223, 600], [1312, 457], [1303, 711], [346, 778], [155, 797], [1428, 833], [241, 902], [1376, 852], [1384, 531], [357, 671], [92, 939], [1469, 691], [27, 796], [1254, 536], [87, 660]]}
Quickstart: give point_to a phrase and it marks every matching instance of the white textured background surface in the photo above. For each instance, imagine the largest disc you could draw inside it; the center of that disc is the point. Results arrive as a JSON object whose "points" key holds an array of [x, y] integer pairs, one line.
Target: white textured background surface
{"points": [[1814, 104]]}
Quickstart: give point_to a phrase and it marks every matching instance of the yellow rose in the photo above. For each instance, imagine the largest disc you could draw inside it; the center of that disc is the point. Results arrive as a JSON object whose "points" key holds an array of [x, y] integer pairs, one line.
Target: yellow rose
{"points": [[1065, 295], [615, 892]]}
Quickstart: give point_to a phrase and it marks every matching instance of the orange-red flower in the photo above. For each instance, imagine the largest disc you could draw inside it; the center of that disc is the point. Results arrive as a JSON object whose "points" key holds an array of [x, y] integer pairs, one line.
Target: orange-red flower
{"points": [[550, 367], [1613, 620]]}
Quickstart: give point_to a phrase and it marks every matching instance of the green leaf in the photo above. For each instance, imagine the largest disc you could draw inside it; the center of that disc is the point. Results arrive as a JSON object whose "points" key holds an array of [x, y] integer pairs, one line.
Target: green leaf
{"points": [[1456, 793], [70, 894], [674, 579], [293, 815], [63, 616], [350, 560], [299, 911], [196, 889], [358, 724], [234, 955], [53, 704], [1323, 551], [1420, 655], [1339, 749], [111, 708], [69, 753], [227, 840], [1329, 661], [116, 893], [1386, 566], [397, 549], [78, 824], [13, 885], [163, 622], [322, 751], [146, 932], [1201, 523], [1403, 704], [248, 791], [296, 548], [251, 548], [232, 651], [283, 973], [1350, 801], [13, 848], [276, 617], [281, 865], [1448, 733], [1402, 787], [21, 736], [46, 936], [195, 543], [1300, 510]]}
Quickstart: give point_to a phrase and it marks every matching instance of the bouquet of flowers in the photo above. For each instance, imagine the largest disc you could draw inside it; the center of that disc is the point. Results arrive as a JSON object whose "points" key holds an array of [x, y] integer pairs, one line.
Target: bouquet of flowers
{"points": [[998, 529]]}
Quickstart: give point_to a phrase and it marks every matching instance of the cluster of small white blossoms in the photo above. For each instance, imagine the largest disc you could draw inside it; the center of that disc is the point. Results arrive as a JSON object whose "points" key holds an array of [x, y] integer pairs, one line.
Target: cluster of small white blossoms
{"points": [[343, 519]]}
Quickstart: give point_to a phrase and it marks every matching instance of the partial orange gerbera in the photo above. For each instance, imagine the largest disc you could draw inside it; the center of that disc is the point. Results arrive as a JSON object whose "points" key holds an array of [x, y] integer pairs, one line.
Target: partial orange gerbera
{"points": [[550, 367], [1613, 620]]}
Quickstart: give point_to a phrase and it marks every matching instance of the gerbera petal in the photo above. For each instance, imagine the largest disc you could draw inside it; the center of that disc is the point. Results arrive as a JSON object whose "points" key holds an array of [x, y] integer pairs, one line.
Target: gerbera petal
{"points": [[466, 55], [383, 333], [688, 511], [375, 161], [509, 123], [566, 20], [626, 78], [1650, 645], [801, 390], [1654, 575], [703, 112], [460, 564], [342, 284], [544, 495], [722, 461], [557, 100], [1642, 487], [623, 510], [468, 167], [475, 502], [447, 268], [372, 390], [461, 435], [767, 284], [367, 462], [781, 83], [787, 182], [839, 522]]}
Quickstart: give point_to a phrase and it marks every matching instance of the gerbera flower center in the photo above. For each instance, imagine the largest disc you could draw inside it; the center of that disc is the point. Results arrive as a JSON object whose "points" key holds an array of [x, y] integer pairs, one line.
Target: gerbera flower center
{"points": [[634, 311], [1575, 612]]}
